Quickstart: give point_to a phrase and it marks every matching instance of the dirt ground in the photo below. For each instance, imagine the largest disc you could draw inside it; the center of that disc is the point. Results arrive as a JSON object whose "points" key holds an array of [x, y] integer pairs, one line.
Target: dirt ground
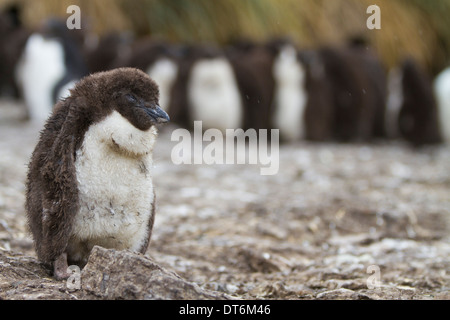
{"points": [[338, 221]]}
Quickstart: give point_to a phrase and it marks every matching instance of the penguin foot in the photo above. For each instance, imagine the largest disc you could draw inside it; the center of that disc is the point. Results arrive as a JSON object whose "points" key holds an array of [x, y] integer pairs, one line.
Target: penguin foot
{"points": [[60, 267]]}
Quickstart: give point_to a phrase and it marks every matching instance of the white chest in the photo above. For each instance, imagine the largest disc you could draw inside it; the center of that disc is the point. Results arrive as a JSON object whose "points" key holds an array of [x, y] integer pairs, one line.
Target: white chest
{"points": [[164, 71], [40, 68], [214, 95], [115, 187], [290, 95], [442, 93]]}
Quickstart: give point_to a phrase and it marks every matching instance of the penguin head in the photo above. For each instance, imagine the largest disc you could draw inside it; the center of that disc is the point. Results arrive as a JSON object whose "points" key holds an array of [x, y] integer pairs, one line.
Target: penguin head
{"points": [[136, 98], [128, 91]]}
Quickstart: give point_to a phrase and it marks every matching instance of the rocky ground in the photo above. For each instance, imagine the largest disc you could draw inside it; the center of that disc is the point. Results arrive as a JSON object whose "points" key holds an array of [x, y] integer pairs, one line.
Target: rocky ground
{"points": [[338, 221]]}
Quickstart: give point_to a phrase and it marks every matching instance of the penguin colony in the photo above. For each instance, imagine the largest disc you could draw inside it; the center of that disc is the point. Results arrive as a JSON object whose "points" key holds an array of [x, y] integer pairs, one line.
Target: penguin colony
{"points": [[327, 94]]}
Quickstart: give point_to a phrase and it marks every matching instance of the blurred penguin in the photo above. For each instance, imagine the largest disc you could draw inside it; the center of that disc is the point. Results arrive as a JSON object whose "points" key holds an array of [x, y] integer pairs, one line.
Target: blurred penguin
{"points": [[206, 90], [318, 115], [13, 37], [159, 60], [252, 64], [50, 65], [358, 86], [442, 92], [290, 95], [411, 110]]}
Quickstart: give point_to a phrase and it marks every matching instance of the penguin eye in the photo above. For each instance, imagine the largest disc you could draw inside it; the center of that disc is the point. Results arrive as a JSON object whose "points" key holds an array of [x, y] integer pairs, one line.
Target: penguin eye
{"points": [[131, 98]]}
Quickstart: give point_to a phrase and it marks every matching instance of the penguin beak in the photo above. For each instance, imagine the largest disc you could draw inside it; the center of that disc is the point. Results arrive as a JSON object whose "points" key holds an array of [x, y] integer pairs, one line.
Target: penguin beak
{"points": [[157, 114]]}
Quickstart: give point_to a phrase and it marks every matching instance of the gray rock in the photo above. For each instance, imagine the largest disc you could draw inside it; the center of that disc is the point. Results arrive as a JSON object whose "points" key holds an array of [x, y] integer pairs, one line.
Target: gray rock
{"points": [[109, 274], [115, 274]]}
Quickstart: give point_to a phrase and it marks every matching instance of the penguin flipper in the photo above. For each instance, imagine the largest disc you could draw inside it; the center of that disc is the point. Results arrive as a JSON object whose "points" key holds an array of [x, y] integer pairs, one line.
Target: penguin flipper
{"points": [[60, 201], [151, 220]]}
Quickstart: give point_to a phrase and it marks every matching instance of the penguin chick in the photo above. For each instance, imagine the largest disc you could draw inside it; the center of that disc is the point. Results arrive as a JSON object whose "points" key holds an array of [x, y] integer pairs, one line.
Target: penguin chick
{"points": [[88, 180]]}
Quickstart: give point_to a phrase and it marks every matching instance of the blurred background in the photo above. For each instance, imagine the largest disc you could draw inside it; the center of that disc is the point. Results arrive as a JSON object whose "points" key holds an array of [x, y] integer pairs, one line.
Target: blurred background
{"points": [[409, 27], [354, 97]]}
